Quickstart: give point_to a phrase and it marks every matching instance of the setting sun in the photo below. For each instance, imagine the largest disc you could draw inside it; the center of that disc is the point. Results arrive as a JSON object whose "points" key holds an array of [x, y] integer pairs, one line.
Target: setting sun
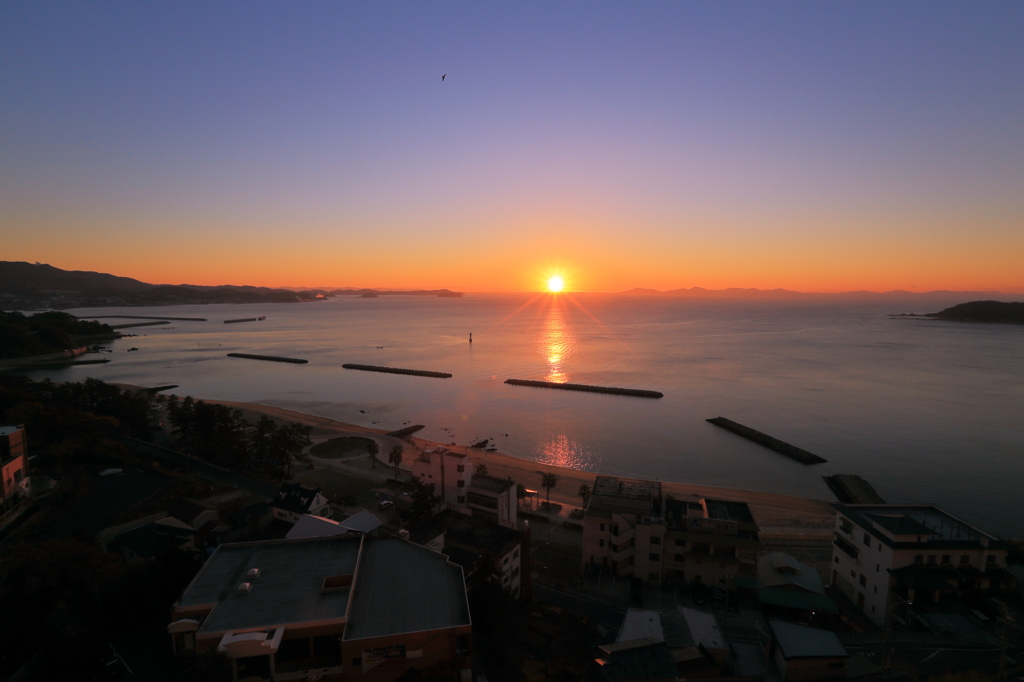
{"points": [[555, 283]]}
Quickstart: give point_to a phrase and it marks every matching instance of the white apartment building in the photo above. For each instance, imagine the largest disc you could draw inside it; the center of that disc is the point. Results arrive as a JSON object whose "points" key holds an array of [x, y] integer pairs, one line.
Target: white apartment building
{"points": [[483, 497], [885, 555]]}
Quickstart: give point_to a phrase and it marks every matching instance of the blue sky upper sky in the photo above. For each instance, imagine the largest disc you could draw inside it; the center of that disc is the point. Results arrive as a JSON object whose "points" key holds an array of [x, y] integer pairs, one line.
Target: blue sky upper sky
{"points": [[814, 146]]}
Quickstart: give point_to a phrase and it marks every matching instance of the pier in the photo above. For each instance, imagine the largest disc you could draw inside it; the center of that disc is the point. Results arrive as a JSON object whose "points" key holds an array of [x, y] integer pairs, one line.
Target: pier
{"points": [[397, 370], [635, 392], [146, 317], [139, 324], [407, 431], [271, 358], [783, 448]]}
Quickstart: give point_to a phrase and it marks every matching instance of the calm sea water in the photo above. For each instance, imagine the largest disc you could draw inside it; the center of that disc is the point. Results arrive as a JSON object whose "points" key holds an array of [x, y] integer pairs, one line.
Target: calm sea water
{"points": [[925, 411]]}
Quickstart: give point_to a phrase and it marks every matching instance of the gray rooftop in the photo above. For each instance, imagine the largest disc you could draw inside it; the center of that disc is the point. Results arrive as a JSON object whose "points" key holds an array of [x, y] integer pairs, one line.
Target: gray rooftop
{"points": [[288, 589], [729, 511], [632, 488], [402, 587], [6, 430], [798, 641]]}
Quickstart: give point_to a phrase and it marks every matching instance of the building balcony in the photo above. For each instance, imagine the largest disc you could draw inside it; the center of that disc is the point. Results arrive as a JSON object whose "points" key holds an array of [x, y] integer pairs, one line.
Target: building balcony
{"points": [[847, 548]]}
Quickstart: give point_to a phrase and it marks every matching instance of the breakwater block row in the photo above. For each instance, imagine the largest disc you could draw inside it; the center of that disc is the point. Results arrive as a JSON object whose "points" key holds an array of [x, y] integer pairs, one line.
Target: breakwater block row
{"points": [[147, 317], [138, 324], [781, 447], [398, 370], [246, 319], [636, 392], [271, 358], [852, 489]]}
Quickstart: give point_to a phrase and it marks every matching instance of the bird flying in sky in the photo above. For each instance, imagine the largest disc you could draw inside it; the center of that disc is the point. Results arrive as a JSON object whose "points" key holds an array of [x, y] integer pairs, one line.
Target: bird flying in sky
{"points": [[442, 78]]}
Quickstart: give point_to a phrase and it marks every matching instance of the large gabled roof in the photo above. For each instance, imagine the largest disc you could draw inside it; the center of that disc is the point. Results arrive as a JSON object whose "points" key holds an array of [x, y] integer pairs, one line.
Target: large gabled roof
{"points": [[799, 641], [294, 498]]}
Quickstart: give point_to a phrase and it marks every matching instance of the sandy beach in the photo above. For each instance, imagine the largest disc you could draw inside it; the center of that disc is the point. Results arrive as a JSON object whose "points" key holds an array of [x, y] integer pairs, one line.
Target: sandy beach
{"points": [[779, 516]]}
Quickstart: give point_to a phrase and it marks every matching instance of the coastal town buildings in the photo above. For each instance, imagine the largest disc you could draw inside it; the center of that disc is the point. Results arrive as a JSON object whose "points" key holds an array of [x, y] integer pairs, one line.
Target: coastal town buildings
{"points": [[630, 529], [14, 471], [484, 497], [804, 653], [293, 501], [335, 608], [886, 556], [487, 552]]}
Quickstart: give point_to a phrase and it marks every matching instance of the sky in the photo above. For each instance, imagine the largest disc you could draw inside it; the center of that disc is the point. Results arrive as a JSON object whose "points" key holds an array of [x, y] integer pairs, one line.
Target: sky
{"points": [[809, 146]]}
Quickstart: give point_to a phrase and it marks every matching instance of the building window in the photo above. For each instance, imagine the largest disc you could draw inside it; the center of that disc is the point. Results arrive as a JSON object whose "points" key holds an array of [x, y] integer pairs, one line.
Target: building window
{"points": [[460, 483], [461, 468], [600, 543], [872, 609], [655, 557], [965, 560], [655, 541], [947, 559], [462, 499], [931, 559], [876, 589], [615, 529], [515, 573], [990, 560], [505, 561], [863, 580], [853, 574], [602, 527], [680, 543], [878, 568], [867, 540], [515, 554], [482, 501], [919, 558], [357, 662], [844, 525], [836, 559], [679, 558], [654, 576]]}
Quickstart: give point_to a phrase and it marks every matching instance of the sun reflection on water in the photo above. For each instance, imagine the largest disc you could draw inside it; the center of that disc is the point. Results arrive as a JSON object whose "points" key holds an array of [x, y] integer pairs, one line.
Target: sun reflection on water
{"points": [[557, 344], [562, 451]]}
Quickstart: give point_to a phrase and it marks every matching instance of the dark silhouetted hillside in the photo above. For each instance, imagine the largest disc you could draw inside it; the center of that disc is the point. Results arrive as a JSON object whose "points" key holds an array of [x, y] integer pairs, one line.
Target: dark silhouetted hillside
{"points": [[983, 311]]}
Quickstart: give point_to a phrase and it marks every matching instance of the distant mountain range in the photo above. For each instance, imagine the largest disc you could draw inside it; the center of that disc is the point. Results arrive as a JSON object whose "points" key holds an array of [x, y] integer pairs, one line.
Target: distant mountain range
{"points": [[700, 292], [25, 285]]}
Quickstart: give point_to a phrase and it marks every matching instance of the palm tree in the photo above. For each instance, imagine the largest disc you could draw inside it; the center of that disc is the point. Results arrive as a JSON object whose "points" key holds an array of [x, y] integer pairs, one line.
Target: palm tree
{"points": [[373, 449], [584, 492], [395, 457], [549, 481], [481, 469]]}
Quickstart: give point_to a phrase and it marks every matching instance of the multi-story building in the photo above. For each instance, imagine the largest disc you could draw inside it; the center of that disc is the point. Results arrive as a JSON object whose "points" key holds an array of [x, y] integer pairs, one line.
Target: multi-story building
{"points": [[13, 465], [886, 555], [293, 501], [485, 497], [629, 528], [334, 608], [486, 551]]}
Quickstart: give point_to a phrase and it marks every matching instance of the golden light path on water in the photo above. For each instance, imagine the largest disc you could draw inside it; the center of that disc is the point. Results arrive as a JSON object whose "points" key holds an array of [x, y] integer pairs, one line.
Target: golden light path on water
{"points": [[557, 344]]}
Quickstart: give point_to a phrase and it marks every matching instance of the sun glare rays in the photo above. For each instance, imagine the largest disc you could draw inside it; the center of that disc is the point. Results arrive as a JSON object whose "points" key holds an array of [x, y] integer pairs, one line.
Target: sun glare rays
{"points": [[555, 284]]}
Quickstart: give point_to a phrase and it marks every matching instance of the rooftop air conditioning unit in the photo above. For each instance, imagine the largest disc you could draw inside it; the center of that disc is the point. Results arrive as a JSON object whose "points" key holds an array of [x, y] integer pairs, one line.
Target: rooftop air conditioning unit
{"points": [[253, 573], [244, 588]]}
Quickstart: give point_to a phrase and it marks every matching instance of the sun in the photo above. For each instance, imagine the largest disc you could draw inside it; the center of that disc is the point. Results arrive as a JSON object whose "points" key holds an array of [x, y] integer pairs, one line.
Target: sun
{"points": [[555, 283]]}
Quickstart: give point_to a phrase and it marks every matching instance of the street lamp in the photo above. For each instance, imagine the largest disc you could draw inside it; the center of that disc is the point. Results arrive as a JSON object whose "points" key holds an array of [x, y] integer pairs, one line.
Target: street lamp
{"points": [[888, 612]]}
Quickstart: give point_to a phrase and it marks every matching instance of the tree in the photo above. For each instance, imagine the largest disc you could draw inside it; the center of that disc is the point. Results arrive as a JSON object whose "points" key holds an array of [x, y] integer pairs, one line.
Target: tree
{"points": [[395, 457], [373, 449], [424, 501], [549, 481], [481, 469], [585, 493]]}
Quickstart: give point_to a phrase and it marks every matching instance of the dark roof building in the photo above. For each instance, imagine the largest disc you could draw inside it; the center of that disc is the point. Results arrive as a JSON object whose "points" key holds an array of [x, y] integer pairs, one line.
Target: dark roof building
{"points": [[312, 605], [804, 653], [293, 501]]}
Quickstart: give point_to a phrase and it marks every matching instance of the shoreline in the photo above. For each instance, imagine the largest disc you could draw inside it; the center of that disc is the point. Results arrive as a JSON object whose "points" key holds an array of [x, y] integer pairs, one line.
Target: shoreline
{"points": [[779, 516]]}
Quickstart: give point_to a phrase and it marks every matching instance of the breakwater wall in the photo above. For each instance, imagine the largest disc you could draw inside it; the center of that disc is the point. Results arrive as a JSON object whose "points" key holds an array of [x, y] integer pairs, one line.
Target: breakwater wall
{"points": [[246, 319], [139, 324], [271, 358], [635, 392], [407, 431], [398, 370], [145, 317], [764, 439]]}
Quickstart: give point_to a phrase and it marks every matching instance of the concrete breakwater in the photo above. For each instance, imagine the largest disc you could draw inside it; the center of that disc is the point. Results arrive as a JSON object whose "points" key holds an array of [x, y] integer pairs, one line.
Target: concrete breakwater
{"points": [[246, 319], [147, 317], [397, 370], [775, 444], [636, 392], [271, 358], [852, 489], [407, 431], [139, 324]]}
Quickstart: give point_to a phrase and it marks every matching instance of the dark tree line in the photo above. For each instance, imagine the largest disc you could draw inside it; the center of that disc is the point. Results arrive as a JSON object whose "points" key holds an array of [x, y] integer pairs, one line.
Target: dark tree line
{"points": [[221, 435], [48, 332]]}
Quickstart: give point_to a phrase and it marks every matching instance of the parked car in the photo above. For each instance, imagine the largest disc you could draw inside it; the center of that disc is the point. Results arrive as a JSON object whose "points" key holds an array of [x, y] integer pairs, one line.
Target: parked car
{"points": [[700, 594], [385, 504]]}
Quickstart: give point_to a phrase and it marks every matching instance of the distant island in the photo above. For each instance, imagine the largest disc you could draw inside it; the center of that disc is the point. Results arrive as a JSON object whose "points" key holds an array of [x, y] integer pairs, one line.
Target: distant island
{"points": [[27, 286], [51, 332], [999, 312]]}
